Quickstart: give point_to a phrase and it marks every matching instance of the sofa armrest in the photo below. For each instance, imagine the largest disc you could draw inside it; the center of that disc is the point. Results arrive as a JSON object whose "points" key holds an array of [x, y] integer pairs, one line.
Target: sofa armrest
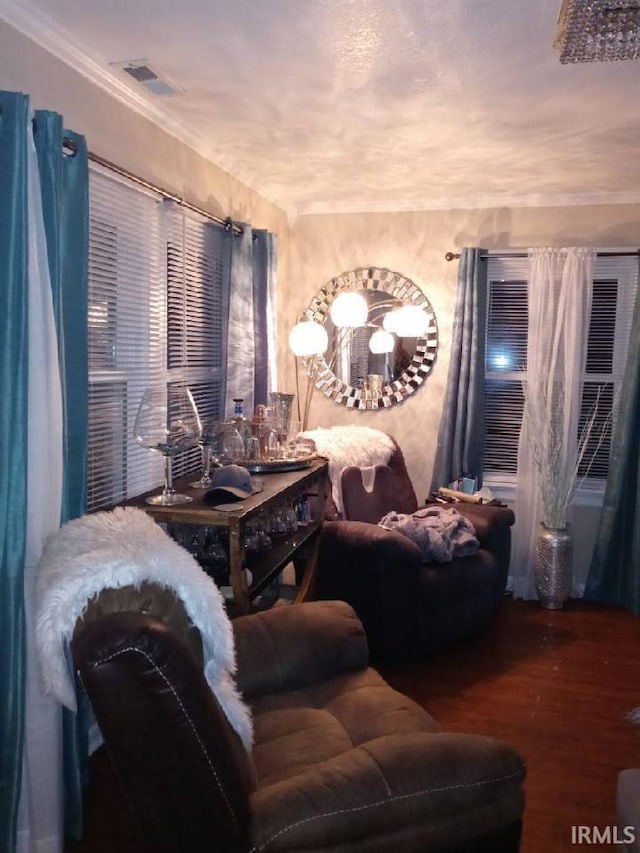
{"points": [[147, 690], [286, 648], [493, 530], [365, 547], [487, 520]]}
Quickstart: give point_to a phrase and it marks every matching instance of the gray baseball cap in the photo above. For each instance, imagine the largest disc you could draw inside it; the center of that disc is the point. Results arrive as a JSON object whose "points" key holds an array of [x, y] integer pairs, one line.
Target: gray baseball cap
{"points": [[230, 483]]}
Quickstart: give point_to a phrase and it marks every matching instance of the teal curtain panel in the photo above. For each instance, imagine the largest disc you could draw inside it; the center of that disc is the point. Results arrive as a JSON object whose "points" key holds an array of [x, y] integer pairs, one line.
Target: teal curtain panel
{"points": [[614, 574], [460, 446], [14, 117]]}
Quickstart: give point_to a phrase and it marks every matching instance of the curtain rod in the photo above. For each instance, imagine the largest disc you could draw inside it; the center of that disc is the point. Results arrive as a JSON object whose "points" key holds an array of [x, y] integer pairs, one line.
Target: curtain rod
{"points": [[226, 223], [454, 256]]}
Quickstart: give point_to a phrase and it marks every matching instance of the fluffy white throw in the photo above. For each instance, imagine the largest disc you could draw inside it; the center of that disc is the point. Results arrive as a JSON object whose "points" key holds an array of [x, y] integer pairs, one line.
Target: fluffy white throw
{"points": [[125, 547], [350, 445], [441, 533]]}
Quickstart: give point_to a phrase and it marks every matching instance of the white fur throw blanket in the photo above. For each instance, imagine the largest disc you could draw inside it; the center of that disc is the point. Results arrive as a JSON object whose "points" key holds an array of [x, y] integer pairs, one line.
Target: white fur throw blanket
{"points": [[125, 547], [350, 445], [441, 533]]}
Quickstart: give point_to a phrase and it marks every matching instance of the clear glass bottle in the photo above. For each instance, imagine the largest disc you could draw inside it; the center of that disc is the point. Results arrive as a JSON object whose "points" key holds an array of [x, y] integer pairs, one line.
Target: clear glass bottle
{"points": [[241, 423], [233, 450]]}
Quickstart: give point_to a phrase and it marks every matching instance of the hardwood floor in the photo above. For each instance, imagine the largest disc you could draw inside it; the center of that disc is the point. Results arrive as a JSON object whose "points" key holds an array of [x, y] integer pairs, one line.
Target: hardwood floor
{"points": [[555, 684]]}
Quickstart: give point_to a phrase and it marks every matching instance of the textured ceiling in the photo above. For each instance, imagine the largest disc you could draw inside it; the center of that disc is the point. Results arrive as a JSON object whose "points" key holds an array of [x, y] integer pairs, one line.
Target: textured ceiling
{"points": [[357, 105]]}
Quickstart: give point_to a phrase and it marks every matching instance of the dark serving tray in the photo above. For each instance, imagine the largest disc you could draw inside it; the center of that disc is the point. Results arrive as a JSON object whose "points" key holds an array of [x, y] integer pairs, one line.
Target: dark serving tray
{"points": [[277, 466]]}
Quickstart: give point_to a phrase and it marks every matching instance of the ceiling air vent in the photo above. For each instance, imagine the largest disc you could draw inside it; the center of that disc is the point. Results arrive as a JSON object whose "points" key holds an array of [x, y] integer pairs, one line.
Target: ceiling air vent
{"points": [[141, 73]]}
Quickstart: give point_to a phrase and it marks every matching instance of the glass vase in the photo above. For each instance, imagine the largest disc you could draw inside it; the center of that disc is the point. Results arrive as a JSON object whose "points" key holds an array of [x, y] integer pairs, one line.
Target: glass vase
{"points": [[282, 407]]}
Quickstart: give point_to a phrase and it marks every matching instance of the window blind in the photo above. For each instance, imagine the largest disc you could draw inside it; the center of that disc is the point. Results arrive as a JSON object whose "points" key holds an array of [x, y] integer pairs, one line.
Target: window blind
{"points": [[195, 314], [156, 283], [614, 290], [505, 361], [615, 284]]}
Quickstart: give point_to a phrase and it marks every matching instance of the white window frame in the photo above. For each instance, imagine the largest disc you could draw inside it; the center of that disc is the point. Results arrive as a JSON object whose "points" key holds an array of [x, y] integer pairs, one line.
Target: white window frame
{"points": [[624, 269]]}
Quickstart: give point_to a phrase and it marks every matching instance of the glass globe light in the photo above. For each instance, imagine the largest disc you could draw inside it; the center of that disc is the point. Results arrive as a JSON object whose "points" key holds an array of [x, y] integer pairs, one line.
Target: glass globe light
{"points": [[381, 341], [349, 310], [308, 338], [409, 321]]}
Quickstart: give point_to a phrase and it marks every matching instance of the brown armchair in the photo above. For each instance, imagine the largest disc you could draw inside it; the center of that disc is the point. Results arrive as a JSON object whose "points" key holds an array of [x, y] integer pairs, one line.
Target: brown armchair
{"points": [[341, 762], [409, 607]]}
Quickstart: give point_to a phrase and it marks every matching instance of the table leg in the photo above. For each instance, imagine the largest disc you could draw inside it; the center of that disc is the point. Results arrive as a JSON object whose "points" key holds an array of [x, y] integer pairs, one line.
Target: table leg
{"points": [[306, 589], [236, 568]]}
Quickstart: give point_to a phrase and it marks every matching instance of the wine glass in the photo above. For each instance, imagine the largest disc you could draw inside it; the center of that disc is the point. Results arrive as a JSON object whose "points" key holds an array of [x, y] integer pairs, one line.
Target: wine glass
{"points": [[210, 428], [167, 423]]}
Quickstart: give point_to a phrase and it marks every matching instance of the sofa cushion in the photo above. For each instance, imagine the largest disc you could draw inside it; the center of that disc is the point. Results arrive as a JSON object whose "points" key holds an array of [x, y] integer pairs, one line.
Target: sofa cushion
{"points": [[350, 765], [298, 729], [286, 648], [411, 791]]}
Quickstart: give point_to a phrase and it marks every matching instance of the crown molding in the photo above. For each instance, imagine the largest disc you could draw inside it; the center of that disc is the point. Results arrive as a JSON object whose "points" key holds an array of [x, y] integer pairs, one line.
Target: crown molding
{"points": [[44, 31], [476, 203]]}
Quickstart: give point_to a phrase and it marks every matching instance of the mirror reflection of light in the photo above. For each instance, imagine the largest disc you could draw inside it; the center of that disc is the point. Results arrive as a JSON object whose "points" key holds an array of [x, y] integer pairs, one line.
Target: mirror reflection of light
{"points": [[390, 321], [381, 341], [408, 321], [349, 310]]}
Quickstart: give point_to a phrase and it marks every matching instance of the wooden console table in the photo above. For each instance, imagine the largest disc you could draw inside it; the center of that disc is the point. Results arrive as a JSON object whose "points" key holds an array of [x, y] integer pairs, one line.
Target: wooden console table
{"points": [[278, 489]]}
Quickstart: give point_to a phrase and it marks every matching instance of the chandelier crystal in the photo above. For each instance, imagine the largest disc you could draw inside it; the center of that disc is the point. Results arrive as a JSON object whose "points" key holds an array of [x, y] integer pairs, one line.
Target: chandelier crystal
{"points": [[598, 30]]}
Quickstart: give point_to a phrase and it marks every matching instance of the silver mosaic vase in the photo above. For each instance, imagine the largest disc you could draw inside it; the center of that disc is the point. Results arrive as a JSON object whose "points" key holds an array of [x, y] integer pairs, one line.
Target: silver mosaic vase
{"points": [[554, 549]]}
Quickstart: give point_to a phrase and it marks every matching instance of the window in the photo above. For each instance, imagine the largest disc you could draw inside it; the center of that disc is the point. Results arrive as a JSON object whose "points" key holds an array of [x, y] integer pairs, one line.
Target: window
{"points": [[614, 288], [156, 292], [195, 311]]}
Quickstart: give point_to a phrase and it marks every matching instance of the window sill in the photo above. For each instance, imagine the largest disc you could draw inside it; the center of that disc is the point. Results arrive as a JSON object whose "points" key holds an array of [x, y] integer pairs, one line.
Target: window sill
{"points": [[504, 489]]}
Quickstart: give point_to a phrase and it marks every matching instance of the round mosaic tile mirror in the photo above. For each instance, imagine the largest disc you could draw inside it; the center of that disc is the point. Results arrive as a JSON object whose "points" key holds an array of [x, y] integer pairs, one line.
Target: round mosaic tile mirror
{"points": [[350, 373]]}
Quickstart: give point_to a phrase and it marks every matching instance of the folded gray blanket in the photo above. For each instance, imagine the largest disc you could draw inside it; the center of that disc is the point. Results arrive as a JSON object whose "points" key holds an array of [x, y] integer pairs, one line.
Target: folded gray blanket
{"points": [[440, 532]]}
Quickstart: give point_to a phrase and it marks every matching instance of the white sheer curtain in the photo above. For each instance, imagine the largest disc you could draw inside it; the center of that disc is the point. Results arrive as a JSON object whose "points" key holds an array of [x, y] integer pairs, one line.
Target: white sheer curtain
{"points": [[560, 292], [40, 814]]}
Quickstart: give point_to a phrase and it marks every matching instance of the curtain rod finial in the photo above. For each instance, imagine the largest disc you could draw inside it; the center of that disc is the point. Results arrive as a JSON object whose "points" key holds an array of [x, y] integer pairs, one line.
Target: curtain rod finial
{"points": [[452, 256]]}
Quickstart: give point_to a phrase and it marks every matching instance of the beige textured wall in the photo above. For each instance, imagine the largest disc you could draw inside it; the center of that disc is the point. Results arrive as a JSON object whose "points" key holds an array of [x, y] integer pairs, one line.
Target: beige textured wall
{"points": [[119, 134], [414, 244]]}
